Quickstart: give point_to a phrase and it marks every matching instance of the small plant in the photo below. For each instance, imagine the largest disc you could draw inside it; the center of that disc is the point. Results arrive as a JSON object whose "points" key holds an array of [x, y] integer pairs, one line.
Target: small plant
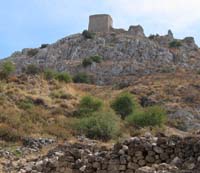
{"points": [[87, 62], [87, 34], [60, 95], [7, 68], [81, 78], [88, 105], [63, 77], [175, 44], [44, 46], [96, 58], [151, 116], [151, 37], [25, 104], [101, 125], [49, 74], [32, 52], [32, 69], [124, 104]]}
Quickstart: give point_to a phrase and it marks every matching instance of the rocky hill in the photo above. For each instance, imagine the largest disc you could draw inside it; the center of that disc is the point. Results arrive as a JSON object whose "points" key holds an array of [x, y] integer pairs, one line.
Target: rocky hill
{"points": [[124, 53], [108, 86]]}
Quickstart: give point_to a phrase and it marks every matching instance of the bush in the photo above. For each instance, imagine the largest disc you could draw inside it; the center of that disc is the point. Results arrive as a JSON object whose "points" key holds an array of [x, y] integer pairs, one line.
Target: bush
{"points": [[49, 74], [63, 77], [32, 52], [32, 69], [87, 62], [124, 104], [7, 68], [81, 78], [175, 44], [60, 94], [151, 116], [44, 46], [88, 105], [87, 34], [96, 58], [25, 104], [101, 125]]}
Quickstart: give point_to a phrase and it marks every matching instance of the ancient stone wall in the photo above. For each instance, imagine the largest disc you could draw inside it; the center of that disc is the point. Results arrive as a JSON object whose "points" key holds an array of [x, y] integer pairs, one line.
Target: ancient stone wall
{"points": [[136, 155], [100, 23]]}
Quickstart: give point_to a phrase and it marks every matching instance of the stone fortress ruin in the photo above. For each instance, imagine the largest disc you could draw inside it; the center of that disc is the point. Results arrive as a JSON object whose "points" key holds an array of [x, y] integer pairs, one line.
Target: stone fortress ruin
{"points": [[100, 23], [103, 23]]}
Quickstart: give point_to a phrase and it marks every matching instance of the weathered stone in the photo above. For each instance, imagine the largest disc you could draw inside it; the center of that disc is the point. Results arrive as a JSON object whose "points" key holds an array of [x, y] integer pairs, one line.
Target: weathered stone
{"points": [[141, 162], [100, 23], [132, 165], [136, 31], [150, 159], [158, 149]]}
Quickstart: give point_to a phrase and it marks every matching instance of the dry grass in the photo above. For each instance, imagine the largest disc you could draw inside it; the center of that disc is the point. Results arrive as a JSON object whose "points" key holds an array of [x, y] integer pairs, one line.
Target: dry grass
{"points": [[52, 103]]}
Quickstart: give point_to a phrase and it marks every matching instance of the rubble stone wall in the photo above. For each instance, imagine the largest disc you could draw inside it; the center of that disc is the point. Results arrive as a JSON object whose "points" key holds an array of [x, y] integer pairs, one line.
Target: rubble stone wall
{"points": [[138, 154]]}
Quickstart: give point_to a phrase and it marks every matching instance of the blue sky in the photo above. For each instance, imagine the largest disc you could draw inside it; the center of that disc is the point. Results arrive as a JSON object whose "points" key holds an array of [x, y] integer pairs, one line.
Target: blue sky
{"points": [[29, 23]]}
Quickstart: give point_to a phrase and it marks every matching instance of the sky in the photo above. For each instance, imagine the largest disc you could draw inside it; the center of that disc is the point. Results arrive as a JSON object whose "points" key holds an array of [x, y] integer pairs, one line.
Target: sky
{"points": [[30, 23]]}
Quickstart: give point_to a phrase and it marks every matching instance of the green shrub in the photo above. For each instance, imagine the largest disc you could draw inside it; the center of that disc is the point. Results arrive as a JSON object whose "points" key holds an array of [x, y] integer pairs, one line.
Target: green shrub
{"points": [[101, 125], [87, 62], [44, 46], [32, 52], [32, 69], [88, 105], [151, 116], [124, 104], [49, 74], [96, 58], [81, 78], [25, 104], [175, 44], [87, 35], [60, 94], [63, 77], [6, 69], [151, 37]]}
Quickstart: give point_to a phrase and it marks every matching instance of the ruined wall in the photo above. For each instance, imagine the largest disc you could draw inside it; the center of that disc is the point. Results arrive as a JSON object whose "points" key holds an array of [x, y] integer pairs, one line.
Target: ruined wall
{"points": [[100, 23], [171, 154]]}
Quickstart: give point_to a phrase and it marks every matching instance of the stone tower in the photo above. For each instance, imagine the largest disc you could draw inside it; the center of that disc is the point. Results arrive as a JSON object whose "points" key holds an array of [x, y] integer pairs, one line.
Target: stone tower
{"points": [[100, 23]]}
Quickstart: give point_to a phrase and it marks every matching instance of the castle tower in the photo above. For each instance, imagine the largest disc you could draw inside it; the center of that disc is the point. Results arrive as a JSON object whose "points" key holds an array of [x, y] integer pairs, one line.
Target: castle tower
{"points": [[100, 23]]}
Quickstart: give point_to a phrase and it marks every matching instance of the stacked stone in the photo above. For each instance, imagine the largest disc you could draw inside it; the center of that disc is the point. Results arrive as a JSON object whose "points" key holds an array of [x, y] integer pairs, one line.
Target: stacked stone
{"points": [[138, 154]]}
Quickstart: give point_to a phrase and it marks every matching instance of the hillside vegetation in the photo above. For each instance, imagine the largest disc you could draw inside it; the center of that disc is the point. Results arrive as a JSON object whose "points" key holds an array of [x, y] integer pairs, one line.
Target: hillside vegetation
{"points": [[44, 104]]}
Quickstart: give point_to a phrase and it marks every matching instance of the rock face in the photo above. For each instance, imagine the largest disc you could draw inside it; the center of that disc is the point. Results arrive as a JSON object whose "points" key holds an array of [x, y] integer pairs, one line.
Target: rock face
{"points": [[139, 154], [123, 55], [136, 30]]}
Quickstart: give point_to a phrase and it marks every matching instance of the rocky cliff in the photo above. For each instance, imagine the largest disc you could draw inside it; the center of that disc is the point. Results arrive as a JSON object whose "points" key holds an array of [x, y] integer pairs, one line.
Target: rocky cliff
{"points": [[124, 53]]}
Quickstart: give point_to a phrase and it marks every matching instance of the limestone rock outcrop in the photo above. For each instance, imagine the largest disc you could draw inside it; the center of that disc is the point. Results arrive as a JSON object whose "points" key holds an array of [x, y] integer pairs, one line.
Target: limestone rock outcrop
{"points": [[122, 55]]}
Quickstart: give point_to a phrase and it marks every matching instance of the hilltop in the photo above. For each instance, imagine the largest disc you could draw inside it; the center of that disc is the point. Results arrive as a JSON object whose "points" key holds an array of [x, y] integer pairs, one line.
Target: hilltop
{"points": [[124, 54]]}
